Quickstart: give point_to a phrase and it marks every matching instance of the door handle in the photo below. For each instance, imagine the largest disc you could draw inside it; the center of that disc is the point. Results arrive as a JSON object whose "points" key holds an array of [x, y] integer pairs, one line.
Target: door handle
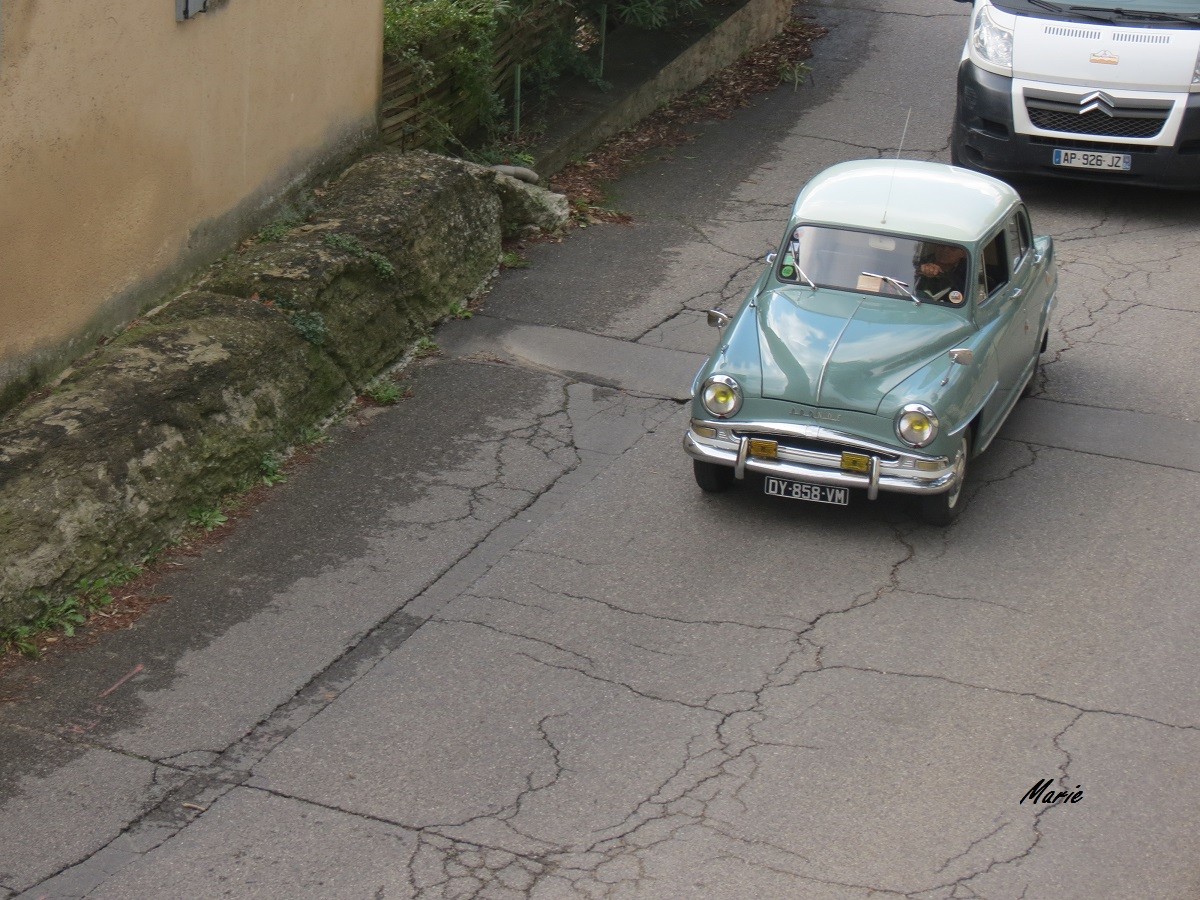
{"points": [[1017, 292]]}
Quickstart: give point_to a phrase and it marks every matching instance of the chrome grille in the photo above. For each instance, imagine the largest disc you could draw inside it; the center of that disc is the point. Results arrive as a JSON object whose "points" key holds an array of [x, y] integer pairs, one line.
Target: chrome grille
{"points": [[810, 445]]}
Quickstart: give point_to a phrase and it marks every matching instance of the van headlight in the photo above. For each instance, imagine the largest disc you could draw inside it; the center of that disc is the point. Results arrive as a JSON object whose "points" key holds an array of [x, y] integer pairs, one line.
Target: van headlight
{"points": [[916, 425], [721, 396], [991, 41]]}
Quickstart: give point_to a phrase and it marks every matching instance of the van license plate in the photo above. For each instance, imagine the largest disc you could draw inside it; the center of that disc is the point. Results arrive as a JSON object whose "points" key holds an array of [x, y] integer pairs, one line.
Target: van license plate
{"points": [[813, 493], [1079, 159]]}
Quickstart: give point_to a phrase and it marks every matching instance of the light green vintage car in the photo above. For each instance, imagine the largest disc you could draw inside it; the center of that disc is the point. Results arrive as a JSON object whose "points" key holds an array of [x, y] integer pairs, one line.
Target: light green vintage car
{"points": [[884, 344]]}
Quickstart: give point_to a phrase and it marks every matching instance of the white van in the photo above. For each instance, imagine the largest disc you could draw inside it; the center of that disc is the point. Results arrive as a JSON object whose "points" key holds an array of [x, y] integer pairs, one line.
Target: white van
{"points": [[1107, 91]]}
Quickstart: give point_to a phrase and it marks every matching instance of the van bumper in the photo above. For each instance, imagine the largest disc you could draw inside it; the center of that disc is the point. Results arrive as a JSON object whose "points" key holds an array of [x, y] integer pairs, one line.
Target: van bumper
{"points": [[986, 140]]}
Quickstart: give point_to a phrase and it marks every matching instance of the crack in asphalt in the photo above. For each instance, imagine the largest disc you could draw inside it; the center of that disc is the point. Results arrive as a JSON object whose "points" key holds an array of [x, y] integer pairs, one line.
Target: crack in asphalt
{"points": [[719, 762], [164, 818], [1029, 695]]}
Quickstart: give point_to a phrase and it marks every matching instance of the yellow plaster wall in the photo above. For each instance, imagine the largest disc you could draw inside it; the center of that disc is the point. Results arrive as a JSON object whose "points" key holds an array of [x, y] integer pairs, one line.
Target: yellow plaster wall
{"points": [[130, 142]]}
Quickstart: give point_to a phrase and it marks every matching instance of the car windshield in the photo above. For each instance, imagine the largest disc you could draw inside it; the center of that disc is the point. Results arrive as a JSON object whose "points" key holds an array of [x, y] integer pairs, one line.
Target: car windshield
{"points": [[885, 264]]}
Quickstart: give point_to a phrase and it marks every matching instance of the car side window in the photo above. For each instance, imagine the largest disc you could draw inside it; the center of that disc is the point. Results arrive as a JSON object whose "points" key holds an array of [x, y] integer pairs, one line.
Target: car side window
{"points": [[995, 264], [1017, 239], [1026, 231]]}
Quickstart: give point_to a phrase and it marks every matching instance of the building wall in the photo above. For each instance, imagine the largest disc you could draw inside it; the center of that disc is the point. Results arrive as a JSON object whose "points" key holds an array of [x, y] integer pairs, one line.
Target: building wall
{"points": [[134, 148]]}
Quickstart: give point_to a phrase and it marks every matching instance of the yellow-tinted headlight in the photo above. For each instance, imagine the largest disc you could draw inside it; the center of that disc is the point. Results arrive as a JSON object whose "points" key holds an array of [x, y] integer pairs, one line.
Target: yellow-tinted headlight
{"points": [[916, 425], [721, 396]]}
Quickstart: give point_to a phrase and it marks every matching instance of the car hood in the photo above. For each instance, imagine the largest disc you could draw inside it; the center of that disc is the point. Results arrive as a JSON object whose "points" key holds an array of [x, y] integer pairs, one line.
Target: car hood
{"points": [[847, 351]]}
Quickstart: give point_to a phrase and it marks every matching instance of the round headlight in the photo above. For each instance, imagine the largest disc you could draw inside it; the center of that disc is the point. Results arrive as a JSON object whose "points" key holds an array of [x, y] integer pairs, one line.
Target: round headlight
{"points": [[721, 396], [916, 425]]}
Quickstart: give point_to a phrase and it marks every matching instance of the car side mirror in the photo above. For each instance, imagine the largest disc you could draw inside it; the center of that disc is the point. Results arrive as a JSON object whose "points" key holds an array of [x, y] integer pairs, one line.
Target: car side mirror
{"points": [[717, 319], [962, 356]]}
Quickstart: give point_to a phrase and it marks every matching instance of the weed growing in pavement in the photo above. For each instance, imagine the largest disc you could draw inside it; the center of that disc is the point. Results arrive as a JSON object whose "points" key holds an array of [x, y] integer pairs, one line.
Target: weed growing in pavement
{"points": [[425, 348], [50, 614], [207, 518], [65, 614], [511, 259], [100, 588], [460, 311], [384, 391], [311, 435], [271, 469], [797, 73]]}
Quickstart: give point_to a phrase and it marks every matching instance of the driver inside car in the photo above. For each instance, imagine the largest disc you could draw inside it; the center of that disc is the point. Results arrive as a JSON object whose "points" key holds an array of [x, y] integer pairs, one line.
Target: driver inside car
{"points": [[941, 272]]}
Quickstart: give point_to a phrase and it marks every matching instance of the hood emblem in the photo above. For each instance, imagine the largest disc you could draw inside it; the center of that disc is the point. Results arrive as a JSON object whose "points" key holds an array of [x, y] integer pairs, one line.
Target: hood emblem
{"points": [[1104, 58], [822, 415]]}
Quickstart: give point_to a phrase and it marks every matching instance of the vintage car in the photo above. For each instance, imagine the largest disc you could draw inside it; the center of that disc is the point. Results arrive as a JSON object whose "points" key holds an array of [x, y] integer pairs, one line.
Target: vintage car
{"points": [[885, 343]]}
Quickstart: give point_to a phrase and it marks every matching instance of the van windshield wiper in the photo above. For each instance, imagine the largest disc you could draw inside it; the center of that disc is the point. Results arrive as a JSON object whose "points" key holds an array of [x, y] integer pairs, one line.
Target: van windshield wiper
{"points": [[1155, 15], [1108, 14], [1134, 14], [1042, 4]]}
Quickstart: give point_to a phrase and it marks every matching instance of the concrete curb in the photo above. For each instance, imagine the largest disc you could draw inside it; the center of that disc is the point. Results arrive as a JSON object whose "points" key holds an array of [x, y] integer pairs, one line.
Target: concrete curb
{"points": [[752, 25]]}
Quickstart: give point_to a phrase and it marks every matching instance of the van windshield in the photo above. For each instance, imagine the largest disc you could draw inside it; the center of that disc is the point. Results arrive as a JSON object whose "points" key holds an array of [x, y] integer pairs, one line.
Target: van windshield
{"points": [[1126, 12]]}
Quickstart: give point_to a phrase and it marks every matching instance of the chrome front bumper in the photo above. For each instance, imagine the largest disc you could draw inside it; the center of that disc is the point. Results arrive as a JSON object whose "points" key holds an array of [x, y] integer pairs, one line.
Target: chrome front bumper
{"points": [[890, 470]]}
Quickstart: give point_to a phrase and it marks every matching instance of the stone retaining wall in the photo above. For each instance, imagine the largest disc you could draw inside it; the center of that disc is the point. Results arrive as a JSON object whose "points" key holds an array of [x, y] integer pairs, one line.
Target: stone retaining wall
{"points": [[182, 407]]}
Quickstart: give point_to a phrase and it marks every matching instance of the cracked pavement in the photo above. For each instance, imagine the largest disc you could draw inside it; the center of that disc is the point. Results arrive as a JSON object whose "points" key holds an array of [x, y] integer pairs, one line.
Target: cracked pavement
{"points": [[494, 643]]}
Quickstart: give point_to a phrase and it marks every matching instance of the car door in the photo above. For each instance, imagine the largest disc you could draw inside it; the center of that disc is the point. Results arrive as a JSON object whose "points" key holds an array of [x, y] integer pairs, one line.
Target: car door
{"points": [[1000, 312], [1025, 283]]}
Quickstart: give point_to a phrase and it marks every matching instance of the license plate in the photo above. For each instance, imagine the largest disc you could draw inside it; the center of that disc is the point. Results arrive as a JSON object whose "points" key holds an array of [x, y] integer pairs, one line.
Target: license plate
{"points": [[1080, 159], [813, 493]]}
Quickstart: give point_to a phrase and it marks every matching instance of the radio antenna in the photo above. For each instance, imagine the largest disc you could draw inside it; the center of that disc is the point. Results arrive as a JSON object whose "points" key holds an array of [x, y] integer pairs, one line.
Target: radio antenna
{"points": [[899, 150]]}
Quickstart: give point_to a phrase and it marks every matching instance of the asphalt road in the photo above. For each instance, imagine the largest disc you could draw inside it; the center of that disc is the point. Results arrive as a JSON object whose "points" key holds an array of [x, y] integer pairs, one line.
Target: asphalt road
{"points": [[494, 642]]}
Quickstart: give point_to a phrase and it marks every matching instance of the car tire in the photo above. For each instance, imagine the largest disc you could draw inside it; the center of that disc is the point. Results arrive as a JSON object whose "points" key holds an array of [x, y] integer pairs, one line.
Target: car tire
{"points": [[1032, 384], [712, 478], [942, 509]]}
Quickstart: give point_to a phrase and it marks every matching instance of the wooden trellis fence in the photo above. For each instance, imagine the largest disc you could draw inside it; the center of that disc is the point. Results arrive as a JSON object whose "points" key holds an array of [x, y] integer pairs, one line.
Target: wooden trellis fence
{"points": [[408, 105]]}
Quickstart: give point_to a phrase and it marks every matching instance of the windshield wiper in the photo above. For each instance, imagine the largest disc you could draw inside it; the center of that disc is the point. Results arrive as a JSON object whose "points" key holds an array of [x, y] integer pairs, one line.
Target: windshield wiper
{"points": [[1042, 4], [1089, 12], [812, 284], [900, 285], [1154, 16]]}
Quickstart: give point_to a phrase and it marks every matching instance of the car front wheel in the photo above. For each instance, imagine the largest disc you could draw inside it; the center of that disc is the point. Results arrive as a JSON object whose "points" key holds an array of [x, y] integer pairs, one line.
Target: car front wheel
{"points": [[712, 478], [942, 509]]}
